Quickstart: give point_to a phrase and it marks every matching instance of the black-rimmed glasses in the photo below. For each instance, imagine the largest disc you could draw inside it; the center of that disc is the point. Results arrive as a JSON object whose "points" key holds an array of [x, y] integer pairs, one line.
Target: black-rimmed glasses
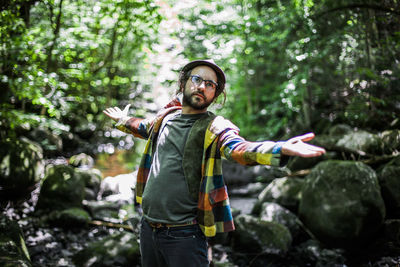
{"points": [[197, 80]]}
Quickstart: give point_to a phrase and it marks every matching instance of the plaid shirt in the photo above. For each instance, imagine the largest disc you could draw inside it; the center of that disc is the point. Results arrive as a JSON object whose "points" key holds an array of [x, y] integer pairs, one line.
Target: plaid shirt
{"points": [[221, 140]]}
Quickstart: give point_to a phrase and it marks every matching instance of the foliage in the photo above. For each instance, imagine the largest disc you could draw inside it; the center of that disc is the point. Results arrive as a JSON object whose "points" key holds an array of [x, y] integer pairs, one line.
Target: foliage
{"points": [[301, 65], [66, 61], [292, 65]]}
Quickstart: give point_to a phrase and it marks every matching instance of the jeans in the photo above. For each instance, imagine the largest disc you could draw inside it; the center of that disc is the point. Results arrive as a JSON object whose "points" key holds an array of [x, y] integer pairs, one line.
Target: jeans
{"points": [[181, 246]]}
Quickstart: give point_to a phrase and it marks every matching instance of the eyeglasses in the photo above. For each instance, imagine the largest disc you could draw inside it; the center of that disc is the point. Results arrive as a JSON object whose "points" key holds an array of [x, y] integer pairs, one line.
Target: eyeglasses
{"points": [[197, 80]]}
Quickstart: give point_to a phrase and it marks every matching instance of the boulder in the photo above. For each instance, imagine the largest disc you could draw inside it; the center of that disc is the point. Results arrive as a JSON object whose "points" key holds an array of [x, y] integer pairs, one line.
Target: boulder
{"points": [[341, 203], [253, 235], [361, 141], [62, 188], [284, 191], [390, 140], [104, 210], [118, 188], [390, 185], [13, 251], [92, 179], [236, 174], [72, 217], [21, 166], [81, 160], [121, 249], [272, 212], [313, 253]]}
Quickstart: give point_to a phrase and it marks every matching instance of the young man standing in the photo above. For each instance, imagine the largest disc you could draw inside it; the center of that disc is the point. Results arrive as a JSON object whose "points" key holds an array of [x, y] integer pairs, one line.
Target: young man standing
{"points": [[180, 183]]}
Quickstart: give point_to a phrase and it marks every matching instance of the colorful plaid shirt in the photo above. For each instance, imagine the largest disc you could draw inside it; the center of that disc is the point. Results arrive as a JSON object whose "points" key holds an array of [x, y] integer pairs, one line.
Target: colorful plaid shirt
{"points": [[221, 140]]}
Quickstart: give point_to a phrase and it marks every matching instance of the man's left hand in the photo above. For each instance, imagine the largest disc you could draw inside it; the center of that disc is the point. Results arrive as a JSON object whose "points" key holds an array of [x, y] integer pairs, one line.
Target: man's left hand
{"points": [[296, 147]]}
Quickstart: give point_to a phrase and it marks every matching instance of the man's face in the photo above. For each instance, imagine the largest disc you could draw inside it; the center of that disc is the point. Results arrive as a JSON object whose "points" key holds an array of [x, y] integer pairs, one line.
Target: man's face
{"points": [[199, 97]]}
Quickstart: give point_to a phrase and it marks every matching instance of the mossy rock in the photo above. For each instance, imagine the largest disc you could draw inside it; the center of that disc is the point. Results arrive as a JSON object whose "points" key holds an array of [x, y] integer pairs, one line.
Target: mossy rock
{"points": [[62, 188], [284, 191], [73, 217], [253, 235], [390, 185], [120, 249], [21, 166], [341, 203]]}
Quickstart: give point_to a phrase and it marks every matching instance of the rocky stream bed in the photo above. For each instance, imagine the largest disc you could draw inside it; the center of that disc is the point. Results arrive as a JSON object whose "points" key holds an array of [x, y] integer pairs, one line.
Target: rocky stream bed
{"points": [[340, 210]]}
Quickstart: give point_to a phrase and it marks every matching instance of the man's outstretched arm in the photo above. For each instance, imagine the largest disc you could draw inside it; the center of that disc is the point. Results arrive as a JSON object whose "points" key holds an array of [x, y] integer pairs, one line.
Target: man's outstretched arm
{"points": [[235, 147], [136, 126]]}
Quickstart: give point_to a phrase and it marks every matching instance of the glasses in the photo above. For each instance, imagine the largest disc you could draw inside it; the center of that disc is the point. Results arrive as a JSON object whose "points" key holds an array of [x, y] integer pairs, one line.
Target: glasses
{"points": [[197, 80]]}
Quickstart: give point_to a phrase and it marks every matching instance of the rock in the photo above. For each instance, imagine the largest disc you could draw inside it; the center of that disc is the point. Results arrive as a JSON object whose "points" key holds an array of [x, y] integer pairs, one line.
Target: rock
{"points": [[272, 212], [50, 142], [72, 217], [236, 174], [13, 251], [361, 141], [21, 166], [340, 130], [248, 190], [104, 210], [299, 163], [62, 188], [313, 253], [92, 179], [284, 191], [81, 160], [341, 203], [118, 188], [390, 185], [391, 140], [121, 249], [255, 236]]}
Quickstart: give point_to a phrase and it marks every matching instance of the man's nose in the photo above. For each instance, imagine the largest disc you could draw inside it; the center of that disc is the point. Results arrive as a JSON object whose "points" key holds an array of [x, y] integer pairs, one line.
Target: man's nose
{"points": [[202, 85]]}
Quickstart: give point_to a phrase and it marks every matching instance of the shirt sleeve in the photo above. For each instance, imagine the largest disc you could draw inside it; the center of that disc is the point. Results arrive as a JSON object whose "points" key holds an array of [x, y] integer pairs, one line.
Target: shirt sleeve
{"points": [[136, 126], [235, 148]]}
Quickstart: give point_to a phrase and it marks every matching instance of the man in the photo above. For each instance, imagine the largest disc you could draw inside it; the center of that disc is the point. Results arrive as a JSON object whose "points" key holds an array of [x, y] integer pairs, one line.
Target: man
{"points": [[180, 185]]}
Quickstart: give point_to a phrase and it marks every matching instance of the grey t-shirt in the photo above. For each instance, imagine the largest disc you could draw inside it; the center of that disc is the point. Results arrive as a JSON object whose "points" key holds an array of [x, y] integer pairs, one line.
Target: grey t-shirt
{"points": [[166, 197]]}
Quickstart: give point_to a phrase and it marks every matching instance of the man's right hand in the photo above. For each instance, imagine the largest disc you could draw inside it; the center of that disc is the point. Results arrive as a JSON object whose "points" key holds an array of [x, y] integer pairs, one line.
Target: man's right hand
{"points": [[116, 113]]}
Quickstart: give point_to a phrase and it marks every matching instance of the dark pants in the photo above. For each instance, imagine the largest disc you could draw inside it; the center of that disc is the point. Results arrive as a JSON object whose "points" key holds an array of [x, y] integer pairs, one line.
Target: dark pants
{"points": [[173, 246]]}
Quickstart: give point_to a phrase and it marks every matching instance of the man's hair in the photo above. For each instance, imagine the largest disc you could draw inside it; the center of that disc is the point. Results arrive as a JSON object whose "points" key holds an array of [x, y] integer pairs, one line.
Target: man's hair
{"points": [[184, 75]]}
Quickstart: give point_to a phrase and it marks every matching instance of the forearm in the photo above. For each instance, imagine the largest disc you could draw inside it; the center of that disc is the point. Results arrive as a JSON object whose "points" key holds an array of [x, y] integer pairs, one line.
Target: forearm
{"points": [[135, 126], [236, 148]]}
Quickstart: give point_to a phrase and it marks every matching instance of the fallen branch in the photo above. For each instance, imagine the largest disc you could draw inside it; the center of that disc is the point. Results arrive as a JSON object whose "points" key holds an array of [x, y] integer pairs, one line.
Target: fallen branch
{"points": [[112, 225]]}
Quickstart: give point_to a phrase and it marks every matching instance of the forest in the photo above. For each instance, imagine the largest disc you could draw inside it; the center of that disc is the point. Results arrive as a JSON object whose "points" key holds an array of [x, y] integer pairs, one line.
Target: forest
{"points": [[292, 67]]}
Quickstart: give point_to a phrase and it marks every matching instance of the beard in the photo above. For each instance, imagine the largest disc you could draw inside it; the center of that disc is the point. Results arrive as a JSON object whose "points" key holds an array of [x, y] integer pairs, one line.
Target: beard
{"points": [[193, 100]]}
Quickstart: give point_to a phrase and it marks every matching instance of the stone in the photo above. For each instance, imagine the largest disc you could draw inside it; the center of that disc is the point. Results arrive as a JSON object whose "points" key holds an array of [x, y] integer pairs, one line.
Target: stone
{"points": [[81, 160], [273, 212], [391, 141], [341, 203], [390, 184], [92, 179], [104, 210], [284, 191], [13, 251], [313, 253], [118, 188], [236, 174], [121, 249], [72, 217], [253, 235], [62, 188], [21, 166], [361, 141]]}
